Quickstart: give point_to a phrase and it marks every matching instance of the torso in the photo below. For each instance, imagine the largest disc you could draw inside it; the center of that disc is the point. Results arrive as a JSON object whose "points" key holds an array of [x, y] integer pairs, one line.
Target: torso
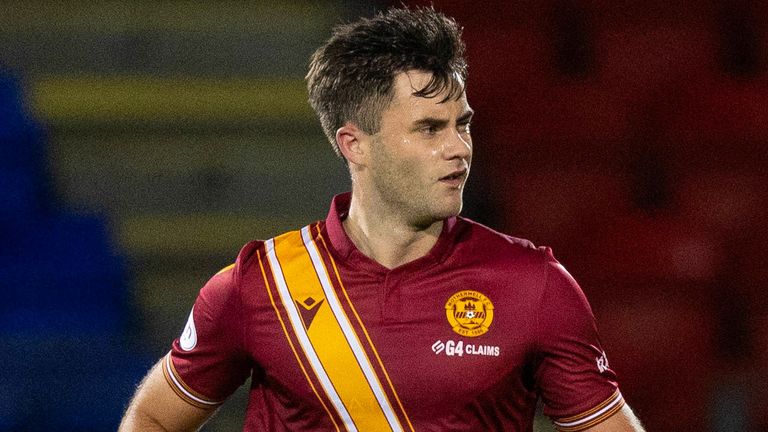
{"points": [[464, 338], [471, 378]]}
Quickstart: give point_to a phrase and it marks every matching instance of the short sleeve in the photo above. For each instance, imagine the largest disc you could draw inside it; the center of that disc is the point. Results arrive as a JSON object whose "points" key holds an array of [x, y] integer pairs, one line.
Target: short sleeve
{"points": [[206, 363], [573, 377]]}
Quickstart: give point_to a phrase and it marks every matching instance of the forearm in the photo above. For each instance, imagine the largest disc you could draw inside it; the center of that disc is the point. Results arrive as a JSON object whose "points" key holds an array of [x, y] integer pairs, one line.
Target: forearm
{"points": [[137, 421]]}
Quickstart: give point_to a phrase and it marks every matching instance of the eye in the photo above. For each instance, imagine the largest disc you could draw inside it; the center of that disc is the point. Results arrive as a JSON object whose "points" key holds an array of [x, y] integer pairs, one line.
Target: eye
{"points": [[463, 127], [430, 130]]}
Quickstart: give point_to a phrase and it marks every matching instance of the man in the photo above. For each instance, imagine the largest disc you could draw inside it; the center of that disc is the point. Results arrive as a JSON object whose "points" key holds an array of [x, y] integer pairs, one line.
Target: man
{"points": [[394, 313]]}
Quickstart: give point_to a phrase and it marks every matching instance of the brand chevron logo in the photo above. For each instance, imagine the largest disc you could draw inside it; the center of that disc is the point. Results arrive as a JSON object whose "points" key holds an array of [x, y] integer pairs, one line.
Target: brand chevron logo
{"points": [[308, 309]]}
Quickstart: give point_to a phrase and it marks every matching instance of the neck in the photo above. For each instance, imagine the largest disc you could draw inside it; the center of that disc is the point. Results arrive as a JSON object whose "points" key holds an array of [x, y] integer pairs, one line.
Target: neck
{"points": [[387, 237]]}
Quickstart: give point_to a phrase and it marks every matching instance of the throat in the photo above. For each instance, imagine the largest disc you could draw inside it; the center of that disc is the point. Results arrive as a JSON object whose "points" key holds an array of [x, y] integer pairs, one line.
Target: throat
{"points": [[392, 246]]}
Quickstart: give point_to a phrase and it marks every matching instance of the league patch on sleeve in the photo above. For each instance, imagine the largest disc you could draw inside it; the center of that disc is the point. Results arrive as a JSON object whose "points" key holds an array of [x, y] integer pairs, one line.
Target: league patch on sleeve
{"points": [[188, 339]]}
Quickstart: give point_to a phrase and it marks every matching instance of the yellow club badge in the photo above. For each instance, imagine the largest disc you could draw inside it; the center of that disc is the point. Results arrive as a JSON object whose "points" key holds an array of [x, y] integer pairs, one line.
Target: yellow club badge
{"points": [[469, 313]]}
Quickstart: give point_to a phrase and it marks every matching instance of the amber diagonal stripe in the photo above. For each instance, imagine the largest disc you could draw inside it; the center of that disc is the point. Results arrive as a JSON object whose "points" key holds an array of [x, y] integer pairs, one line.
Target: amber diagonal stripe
{"points": [[329, 347], [365, 332], [290, 342], [348, 330]]}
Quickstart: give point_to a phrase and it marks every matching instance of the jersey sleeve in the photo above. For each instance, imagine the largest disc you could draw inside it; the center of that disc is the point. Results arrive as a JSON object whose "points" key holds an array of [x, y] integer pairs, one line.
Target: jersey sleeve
{"points": [[578, 388], [206, 363]]}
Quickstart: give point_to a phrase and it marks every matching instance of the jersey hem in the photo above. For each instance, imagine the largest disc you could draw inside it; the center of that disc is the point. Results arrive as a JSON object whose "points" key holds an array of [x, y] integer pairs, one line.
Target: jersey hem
{"points": [[592, 417], [182, 389]]}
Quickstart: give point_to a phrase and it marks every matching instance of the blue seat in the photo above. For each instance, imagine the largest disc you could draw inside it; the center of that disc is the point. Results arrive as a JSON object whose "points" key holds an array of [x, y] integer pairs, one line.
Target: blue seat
{"points": [[63, 277], [24, 187], [12, 113], [65, 364], [21, 138], [76, 383], [19, 200]]}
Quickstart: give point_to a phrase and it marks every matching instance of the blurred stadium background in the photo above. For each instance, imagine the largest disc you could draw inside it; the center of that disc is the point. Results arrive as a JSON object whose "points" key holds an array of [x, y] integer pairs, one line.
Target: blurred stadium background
{"points": [[142, 143]]}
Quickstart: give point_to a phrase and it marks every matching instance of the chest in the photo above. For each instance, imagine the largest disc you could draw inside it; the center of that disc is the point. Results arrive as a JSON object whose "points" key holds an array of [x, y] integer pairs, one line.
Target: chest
{"points": [[433, 344], [450, 339]]}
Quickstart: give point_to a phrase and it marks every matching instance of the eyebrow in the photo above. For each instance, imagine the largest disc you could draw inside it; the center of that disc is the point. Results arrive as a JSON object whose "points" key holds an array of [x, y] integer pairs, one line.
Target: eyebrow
{"points": [[441, 122], [466, 117]]}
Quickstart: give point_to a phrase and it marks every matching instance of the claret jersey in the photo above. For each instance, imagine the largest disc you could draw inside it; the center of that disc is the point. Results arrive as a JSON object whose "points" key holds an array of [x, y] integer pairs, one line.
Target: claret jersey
{"points": [[466, 338]]}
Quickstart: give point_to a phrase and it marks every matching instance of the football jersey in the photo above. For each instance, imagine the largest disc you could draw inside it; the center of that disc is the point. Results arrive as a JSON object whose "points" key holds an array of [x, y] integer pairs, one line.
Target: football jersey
{"points": [[465, 338]]}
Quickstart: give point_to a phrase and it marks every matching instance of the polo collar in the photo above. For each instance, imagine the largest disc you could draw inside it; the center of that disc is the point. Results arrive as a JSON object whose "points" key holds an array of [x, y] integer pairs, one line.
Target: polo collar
{"points": [[345, 250]]}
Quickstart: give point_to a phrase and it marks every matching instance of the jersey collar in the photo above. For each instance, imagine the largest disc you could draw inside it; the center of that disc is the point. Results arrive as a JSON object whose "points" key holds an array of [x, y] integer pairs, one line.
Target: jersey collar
{"points": [[344, 249]]}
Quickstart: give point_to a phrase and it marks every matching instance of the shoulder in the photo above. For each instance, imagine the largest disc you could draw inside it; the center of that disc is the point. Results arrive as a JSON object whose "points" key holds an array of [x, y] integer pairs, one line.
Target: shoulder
{"points": [[253, 256], [248, 257], [491, 244]]}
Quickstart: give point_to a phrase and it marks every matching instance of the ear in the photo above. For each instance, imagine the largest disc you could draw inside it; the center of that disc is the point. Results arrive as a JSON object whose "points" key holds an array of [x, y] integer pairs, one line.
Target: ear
{"points": [[351, 141]]}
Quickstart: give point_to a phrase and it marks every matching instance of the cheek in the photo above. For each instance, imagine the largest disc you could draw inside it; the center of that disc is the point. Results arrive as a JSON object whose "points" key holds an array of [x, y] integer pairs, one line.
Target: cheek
{"points": [[407, 172]]}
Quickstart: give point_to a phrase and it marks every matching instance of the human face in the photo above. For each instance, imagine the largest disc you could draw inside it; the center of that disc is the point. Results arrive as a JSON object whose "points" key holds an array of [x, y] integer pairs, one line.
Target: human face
{"points": [[421, 155]]}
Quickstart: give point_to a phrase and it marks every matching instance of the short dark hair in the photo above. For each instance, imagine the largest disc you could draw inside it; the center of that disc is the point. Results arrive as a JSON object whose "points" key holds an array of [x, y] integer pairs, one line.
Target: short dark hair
{"points": [[351, 76]]}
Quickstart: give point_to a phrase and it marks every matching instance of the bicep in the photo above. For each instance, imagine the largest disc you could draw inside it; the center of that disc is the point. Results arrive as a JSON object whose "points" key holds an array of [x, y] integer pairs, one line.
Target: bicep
{"points": [[156, 406], [623, 421], [572, 373]]}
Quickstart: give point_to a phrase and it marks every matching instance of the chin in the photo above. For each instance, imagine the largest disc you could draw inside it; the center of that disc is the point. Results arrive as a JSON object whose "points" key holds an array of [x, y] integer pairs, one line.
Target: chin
{"points": [[449, 210], [436, 215]]}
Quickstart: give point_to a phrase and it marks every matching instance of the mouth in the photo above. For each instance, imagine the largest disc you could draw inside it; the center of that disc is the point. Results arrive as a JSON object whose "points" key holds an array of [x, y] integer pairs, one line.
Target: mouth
{"points": [[455, 178]]}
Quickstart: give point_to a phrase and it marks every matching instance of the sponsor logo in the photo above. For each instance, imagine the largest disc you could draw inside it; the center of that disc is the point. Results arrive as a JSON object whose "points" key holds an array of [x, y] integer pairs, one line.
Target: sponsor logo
{"points": [[438, 347], [602, 362], [188, 339], [459, 349], [469, 313]]}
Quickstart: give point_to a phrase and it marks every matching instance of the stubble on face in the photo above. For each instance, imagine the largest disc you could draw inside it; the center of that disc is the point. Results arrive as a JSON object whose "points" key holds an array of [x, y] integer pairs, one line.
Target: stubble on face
{"points": [[399, 184], [406, 167]]}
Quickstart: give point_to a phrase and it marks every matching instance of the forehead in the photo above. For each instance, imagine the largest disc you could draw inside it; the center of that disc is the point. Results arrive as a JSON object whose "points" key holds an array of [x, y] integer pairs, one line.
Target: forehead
{"points": [[404, 101]]}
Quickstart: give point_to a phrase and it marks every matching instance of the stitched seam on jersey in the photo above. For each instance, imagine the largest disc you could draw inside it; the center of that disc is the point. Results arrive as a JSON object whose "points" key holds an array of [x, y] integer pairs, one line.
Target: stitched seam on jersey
{"points": [[189, 395], [595, 415], [365, 331], [305, 342], [290, 343], [349, 333]]}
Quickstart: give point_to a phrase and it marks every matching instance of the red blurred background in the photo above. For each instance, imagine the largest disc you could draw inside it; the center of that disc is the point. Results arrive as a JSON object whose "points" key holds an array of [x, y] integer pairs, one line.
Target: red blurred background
{"points": [[631, 137]]}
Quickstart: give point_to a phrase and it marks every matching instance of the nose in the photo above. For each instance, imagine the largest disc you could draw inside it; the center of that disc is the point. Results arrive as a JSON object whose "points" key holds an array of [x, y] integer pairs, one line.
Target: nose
{"points": [[458, 145]]}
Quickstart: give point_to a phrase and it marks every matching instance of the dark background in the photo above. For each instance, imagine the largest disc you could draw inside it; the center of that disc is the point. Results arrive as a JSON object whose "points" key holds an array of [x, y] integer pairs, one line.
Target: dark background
{"points": [[142, 143]]}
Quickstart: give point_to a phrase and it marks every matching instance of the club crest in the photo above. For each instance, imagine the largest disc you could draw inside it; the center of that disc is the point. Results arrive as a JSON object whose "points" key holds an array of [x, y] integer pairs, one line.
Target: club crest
{"points": [[469, 313]]}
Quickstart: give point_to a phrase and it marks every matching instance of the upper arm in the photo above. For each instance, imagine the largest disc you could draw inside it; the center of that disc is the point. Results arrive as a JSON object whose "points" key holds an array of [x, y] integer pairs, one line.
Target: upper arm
{"points": [[205, 365], [622, 421], [156, 406], [572, 373]]}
